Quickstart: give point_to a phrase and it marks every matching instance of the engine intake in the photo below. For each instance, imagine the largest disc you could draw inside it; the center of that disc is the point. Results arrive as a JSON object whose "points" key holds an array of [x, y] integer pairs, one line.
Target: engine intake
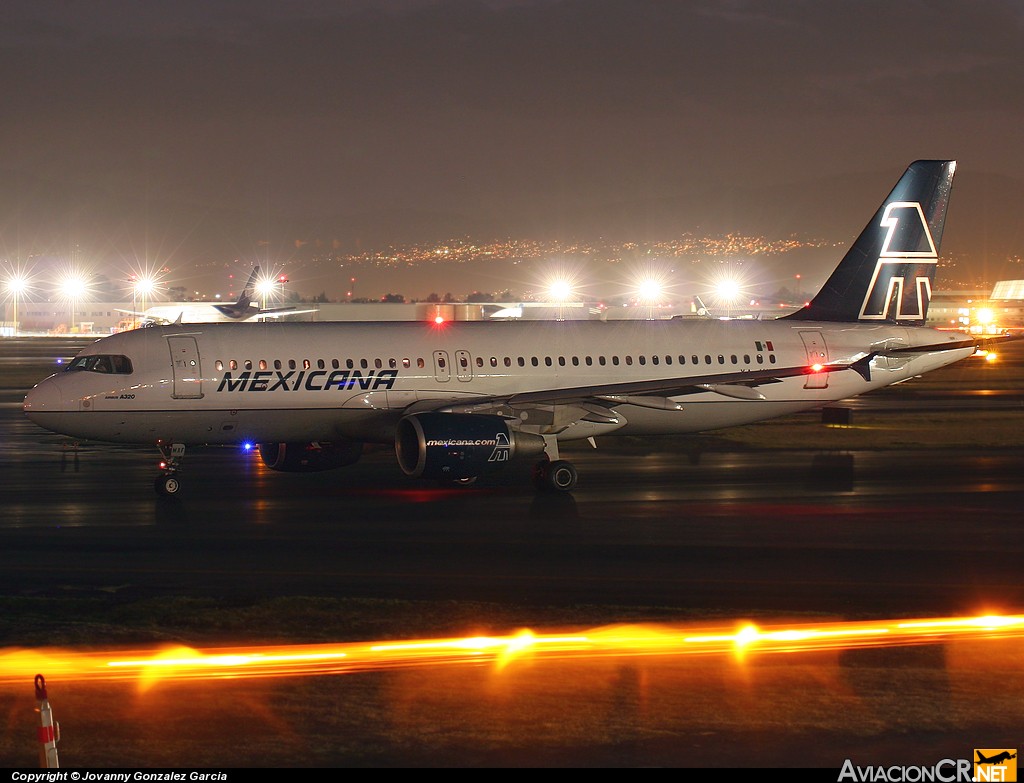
{"points": [[310, 457], [459, 446]]}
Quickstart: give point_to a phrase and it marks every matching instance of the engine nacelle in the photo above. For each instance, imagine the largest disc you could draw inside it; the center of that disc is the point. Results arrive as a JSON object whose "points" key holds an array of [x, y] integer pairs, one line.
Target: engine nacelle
{"points": [[459, 445], [310, 457]]}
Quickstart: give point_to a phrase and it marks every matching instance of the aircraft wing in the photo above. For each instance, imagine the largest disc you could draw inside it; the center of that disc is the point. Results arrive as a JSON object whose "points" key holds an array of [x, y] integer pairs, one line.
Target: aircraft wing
{"points": [[278, 312], [652, 394], [146, 318]]}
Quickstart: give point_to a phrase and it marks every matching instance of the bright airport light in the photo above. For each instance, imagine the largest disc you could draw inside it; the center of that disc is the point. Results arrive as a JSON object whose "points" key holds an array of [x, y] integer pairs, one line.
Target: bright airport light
{"points": [[560, 290], [265, 287], [145, 286], [728, 290], [73, 286], [16, 285]]}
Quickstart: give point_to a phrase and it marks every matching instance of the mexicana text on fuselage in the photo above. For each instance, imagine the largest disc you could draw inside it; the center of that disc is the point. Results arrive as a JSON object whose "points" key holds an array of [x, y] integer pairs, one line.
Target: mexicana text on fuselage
{"points": [[308, 380]]}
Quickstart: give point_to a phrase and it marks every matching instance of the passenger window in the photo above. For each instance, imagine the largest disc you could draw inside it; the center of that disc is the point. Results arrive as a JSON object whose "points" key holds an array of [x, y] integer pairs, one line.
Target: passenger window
{"points": [[508, 361], [589, 361], [349, 364], [561, 361], [655, 359], [219, 365], [335, 364], [305, 364], [291, 364], [494, 361], [534, 361], [575, 361], [363, 363], [378, 363], [771, 358], [233, 364], [600, 360], [406, 363], [277, 364], [629, 360], [320, 364], [547, 360], [420, 363], [248, 364], [263, 364], [734, 359], [392, 364]]}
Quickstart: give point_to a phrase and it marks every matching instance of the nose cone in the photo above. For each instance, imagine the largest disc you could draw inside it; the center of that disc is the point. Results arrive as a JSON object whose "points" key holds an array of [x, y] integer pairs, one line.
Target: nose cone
{"points": [[42, 399]]}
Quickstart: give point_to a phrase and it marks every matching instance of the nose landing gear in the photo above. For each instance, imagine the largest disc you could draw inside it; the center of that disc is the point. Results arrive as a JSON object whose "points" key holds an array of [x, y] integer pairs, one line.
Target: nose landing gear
{"points": [[168, 483]]}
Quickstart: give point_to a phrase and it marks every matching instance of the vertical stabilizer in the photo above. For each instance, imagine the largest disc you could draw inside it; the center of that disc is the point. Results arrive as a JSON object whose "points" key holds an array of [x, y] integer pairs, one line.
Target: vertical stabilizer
{"points": [[887, 274]]}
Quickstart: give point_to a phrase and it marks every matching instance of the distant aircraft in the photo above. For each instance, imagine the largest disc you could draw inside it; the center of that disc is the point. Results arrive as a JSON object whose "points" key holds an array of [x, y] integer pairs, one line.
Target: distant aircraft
{"points": [[247, 307], [999, 758], [461, 399]]}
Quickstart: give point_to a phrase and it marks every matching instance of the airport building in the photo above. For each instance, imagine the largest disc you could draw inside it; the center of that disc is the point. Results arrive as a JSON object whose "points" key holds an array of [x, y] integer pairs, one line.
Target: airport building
{"points": [[978, 312]]}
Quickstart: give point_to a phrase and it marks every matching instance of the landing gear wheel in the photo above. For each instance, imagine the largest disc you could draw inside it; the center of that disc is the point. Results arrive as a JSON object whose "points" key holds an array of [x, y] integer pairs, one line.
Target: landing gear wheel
{"points": [[167, 485], [562, 476], [557, 476]]}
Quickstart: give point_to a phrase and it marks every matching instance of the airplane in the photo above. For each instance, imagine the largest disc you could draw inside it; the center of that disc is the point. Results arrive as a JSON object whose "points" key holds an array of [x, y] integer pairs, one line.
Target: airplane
{"points": [[245, 308], [459, 400], [999, 758]]}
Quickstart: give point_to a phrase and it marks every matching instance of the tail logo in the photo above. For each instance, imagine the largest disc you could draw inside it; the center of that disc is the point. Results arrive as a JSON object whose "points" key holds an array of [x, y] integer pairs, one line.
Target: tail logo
{"points": [[901, 286]]}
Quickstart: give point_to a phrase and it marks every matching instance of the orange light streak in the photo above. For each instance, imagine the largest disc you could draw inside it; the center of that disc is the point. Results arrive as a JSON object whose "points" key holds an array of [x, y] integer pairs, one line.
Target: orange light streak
{"points": [[180, 663]]}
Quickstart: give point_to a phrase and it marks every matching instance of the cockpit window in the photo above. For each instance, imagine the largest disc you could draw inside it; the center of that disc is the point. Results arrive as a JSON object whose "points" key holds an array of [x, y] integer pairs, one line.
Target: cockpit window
{"points": [[107, 364]]}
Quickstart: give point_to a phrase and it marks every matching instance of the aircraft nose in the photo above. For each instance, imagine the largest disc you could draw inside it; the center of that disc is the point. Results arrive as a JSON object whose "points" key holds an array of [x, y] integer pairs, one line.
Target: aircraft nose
{"points": [[44, 397]]}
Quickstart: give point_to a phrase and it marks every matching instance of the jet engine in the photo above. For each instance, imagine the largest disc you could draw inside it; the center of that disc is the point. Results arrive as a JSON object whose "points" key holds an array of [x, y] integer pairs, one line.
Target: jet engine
{"points": [[457, 446], [310, 457]]}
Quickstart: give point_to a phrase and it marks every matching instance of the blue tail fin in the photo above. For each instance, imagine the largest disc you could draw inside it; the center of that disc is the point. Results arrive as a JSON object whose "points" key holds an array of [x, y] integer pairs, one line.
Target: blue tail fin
{"points": [[887, 275]]}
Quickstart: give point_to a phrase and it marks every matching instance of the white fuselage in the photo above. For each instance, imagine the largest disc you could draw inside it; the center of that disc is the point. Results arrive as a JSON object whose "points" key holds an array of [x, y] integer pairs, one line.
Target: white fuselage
{"points": [[266, 382]]}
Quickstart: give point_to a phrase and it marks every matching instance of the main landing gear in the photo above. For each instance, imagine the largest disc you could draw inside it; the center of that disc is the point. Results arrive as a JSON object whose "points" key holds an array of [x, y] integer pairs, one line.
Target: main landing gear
{"points": [[168, 484], [555, 475]]}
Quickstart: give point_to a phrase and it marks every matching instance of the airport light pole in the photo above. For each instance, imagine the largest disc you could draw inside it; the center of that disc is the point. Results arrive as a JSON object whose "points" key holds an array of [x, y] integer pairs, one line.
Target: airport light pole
{"points": [[143, 288], [265, 288], [73, 288], [561, 292], [649, 291], [16, 286]]}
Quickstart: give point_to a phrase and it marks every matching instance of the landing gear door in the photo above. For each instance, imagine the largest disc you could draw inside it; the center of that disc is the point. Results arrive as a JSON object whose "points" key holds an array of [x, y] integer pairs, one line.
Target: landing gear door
{"points": [[817, 354], [188, 373]]}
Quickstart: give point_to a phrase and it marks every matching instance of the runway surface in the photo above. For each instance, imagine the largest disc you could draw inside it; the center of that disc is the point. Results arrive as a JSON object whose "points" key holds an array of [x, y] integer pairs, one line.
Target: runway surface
{"points": [[668, 532]]}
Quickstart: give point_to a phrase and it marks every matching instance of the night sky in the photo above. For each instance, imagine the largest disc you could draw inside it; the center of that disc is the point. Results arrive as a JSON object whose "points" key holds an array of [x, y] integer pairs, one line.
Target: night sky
{"points": [[179, 129]]}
